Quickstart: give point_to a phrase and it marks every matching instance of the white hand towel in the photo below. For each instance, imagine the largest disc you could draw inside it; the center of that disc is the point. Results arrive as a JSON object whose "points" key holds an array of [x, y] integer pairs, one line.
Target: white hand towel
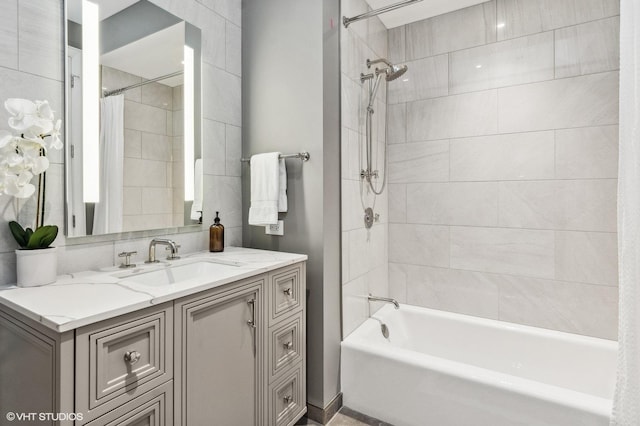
{"points": [[265, 189], [283, 204], [196, 206]]}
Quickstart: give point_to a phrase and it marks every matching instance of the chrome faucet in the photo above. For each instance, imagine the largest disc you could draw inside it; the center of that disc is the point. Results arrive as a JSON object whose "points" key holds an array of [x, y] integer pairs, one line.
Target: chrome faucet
{"points": [[162, 241], [383, 299]]}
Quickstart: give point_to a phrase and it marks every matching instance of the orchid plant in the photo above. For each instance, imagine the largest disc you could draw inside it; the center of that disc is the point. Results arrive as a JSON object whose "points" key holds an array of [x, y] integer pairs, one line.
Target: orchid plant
{"points": [[22, 157]]}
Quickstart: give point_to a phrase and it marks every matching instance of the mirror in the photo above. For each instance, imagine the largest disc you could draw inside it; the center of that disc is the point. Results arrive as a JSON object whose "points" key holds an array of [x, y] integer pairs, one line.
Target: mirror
{"points": [[133, 118]]}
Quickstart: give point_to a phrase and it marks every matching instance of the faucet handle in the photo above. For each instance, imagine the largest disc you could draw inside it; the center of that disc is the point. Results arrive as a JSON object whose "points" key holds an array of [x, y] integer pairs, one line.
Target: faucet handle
{"points": [[127, 259], [174, 254]]}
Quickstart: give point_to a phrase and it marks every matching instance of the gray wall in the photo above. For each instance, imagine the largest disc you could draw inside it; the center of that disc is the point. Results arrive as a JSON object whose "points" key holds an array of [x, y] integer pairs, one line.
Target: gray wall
{"points": [[290, 101]]}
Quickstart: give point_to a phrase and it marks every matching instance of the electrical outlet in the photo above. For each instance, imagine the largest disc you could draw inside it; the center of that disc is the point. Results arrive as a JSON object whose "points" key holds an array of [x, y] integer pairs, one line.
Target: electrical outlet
{"points": [[275, 229]]}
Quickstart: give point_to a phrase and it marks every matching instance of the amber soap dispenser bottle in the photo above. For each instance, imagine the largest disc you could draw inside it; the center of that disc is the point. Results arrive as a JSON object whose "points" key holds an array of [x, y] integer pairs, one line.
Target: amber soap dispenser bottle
{"points": [[216, 235]]}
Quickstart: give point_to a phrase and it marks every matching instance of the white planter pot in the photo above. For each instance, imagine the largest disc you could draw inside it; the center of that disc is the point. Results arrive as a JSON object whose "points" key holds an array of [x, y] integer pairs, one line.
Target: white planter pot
{"points": [[36, 267]]}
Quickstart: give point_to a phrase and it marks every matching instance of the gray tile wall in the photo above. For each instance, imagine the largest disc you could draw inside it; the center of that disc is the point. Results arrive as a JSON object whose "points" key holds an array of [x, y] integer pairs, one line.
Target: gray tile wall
{"points": [[31, 66], [364, 252], [503, 163]]}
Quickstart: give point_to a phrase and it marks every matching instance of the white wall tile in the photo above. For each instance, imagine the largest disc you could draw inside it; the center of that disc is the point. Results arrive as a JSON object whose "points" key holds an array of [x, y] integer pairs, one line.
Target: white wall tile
{"points": [[233, 47], [589, 100], [507, 63], [419, 244], [145, 173], [397, 123], [233, 144], [41, 38], [588, 48], [470, 114], [425, 78], [9, 34], [144, 118], [132, 200], [443, 33], [509, 251], [397, 203], [157, 200], [419, 162], [354, 305], [222, 96], [367, 248], [132, 143], [522, 17], [453, 290], [352, 208], [156, 147], [588, 257], [214, 46], [398, 281], [471, 204], [587, 205], [397, 43], [588, 152], [572, 307], [515, 156], [214, 146]]}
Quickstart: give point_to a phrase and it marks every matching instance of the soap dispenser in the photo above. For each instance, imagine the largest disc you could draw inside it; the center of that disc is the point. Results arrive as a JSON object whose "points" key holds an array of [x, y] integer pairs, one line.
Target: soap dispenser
{"points": [[216, 235]]}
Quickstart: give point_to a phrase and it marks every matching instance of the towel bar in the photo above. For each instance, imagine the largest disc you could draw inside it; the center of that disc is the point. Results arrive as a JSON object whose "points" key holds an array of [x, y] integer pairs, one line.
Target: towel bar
{"points": [[304, 156]]}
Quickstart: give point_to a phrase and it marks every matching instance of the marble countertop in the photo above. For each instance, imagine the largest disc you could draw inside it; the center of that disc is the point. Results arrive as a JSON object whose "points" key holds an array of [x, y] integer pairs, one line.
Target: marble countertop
{"points": [[86, 297]]}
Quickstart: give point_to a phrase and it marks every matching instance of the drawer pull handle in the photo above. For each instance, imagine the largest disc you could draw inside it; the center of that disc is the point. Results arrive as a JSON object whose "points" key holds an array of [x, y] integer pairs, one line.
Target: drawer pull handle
{"points": [[287, 399], [287, 291], [288, 346], [132, 357]]}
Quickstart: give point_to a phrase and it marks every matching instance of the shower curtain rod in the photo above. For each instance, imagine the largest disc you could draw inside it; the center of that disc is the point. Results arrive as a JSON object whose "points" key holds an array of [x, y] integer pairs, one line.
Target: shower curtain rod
{"points": [[133, 86], [346, 21]]}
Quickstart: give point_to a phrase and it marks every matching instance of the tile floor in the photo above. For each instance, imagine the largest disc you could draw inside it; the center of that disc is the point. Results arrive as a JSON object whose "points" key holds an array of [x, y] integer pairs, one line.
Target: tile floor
{"points": [[346, 417]]}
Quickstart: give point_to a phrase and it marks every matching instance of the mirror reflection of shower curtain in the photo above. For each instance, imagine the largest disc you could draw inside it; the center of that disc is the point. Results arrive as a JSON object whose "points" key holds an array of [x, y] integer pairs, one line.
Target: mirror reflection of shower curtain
{"points": [[107, 218]]}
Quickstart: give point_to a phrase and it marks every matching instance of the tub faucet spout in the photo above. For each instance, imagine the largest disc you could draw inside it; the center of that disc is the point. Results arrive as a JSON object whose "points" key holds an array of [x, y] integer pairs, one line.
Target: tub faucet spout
{"points": [[383, 299]]}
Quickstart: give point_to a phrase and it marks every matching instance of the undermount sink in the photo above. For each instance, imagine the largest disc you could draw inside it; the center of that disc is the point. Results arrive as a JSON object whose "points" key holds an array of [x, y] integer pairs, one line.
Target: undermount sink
{"points": [[202, 270]]}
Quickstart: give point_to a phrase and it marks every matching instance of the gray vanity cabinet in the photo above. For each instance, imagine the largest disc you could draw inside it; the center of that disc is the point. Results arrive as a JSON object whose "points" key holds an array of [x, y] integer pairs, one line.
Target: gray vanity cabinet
{"points": [[219, 355], [233, 355]]}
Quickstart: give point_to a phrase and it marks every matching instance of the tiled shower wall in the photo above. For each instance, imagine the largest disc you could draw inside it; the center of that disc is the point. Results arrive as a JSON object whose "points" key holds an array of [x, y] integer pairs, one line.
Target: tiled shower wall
{"points": [[31, 66], [364, 251], [503, 163]]}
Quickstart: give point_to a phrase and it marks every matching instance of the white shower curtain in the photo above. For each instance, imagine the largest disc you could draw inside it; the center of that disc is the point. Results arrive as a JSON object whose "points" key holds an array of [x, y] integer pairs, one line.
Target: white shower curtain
{"points": [[626, 404], [107, 217]]}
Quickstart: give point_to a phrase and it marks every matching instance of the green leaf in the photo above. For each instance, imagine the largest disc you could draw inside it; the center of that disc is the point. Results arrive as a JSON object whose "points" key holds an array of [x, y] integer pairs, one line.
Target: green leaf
{"points": [[27, 235], [42, 237], [18, 233]]}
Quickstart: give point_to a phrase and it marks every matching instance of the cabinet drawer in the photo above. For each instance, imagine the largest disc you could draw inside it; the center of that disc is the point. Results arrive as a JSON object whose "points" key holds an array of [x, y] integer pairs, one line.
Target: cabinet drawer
{"points": [[118, 360], [286, 346], [286, 292], [287, 399], [155, 408]]}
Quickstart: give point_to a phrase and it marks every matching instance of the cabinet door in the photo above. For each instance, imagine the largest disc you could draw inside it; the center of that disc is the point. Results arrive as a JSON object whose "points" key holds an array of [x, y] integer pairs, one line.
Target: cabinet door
{"points": [[221, 358]]}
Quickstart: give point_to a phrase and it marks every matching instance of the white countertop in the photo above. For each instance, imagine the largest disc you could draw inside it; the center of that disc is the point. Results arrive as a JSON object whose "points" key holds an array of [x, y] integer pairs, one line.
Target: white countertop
{"points": [[83, 298]]}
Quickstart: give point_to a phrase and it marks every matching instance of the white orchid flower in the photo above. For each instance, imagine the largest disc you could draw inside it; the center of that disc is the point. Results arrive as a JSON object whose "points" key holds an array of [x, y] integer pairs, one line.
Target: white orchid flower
{"points": [[21, 156], [16, 186], [23, 113]]}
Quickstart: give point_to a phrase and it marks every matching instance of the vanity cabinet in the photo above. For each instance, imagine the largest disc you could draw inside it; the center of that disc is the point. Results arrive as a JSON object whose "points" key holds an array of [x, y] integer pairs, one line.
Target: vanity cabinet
{"points": [[231, 355]]}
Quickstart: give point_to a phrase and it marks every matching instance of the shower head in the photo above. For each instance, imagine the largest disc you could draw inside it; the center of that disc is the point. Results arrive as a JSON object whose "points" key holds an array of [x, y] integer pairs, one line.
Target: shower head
{"points": [[391, 71], [395, 71]]}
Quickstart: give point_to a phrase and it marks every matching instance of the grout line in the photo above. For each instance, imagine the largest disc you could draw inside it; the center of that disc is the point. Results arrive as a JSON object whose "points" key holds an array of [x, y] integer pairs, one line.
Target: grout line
{"points": [[497, 227], [504, 274]]}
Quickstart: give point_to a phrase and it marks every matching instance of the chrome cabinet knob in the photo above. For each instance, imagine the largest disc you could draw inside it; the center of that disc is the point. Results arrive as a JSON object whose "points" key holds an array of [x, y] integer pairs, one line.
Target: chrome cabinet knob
{"points": [[288, 346], [287, 291], [287, 399], [132, 357]]}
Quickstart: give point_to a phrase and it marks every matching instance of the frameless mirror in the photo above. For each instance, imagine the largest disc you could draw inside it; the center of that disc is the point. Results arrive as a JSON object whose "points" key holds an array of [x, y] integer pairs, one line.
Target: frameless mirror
{"points": [[133, 127]]}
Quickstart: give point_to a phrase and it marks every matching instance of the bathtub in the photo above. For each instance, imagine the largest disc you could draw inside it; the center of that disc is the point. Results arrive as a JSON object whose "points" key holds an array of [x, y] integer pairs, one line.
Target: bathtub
{"points": [[444, 369]]}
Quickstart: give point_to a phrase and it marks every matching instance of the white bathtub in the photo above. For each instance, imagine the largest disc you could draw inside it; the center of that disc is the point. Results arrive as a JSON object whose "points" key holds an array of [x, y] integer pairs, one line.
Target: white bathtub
{"points": [[444, 369]]}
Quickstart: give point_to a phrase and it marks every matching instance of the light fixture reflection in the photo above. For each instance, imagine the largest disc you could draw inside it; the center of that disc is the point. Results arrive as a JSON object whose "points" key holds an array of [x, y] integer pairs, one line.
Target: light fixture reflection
{"points": [[90, 103], [189, 131]]}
